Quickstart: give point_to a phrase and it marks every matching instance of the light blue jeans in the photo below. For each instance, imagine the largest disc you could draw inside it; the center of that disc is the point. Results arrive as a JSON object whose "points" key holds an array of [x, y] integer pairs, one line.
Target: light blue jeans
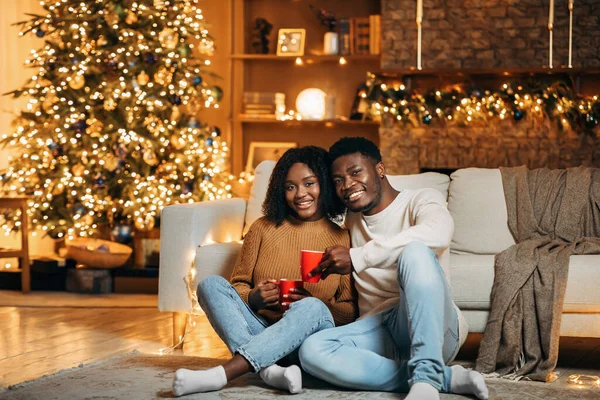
{"points": [[390, 351], [248, 334]]}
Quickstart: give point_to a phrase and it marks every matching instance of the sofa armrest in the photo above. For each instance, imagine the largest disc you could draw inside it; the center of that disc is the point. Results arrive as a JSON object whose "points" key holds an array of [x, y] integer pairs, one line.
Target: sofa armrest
{"points": [[183, 228]]}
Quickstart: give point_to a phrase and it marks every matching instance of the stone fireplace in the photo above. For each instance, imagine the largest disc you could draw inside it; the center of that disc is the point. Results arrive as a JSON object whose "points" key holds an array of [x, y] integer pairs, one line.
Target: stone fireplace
{"points": [[408, 150], [504, 40]]}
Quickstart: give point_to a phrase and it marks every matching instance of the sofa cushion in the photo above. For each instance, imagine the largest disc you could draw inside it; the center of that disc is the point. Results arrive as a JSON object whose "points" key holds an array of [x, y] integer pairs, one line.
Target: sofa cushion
{"points": [[258, 193], [431, 180], [476, 202], [216, 259], [473, 276]]}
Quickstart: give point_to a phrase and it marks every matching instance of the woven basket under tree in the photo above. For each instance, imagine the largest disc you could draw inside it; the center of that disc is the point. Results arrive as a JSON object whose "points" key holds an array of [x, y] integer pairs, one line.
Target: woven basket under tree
{"points": [[98, 253]]}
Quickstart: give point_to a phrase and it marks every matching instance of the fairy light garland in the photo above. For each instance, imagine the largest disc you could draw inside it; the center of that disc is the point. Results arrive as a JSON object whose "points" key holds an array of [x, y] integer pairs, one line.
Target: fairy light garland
{"points": [[393, 102], [109, 131]]}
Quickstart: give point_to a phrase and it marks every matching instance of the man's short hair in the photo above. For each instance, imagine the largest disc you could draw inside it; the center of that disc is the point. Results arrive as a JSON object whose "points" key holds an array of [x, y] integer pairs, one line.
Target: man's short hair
{"points": [[351, 145]]}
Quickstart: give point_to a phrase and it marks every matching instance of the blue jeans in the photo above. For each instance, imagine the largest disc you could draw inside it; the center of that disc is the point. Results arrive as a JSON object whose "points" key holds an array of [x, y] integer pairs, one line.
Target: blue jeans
{"points": [[389, 351], [248, 334]]}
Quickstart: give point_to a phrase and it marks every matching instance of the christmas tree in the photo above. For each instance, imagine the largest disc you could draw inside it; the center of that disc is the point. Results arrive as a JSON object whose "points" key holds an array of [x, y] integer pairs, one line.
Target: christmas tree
{"points": [[109, 135]]}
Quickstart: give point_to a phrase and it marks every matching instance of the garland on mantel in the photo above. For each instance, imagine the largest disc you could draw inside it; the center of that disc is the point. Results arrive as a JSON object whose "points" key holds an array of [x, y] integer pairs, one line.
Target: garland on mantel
{"points": [[463, 106]]}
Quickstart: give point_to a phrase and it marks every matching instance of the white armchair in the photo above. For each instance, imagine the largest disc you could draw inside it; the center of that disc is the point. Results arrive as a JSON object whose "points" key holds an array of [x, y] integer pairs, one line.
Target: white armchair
{"points": [[208, 234]]}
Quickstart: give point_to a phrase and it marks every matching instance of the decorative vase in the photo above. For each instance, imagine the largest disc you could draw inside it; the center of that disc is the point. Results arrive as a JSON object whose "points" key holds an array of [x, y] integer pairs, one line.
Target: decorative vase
{"points": [[330, 43]]}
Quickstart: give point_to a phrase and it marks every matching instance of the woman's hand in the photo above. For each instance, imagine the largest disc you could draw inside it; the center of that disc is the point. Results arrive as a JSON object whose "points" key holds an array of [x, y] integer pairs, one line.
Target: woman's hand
{"points": [[295, 295], [264, 295]]}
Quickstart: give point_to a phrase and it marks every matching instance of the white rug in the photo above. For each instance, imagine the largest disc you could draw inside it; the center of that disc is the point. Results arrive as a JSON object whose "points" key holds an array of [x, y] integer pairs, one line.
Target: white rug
{"points": [[13, 298], [141, 376]]}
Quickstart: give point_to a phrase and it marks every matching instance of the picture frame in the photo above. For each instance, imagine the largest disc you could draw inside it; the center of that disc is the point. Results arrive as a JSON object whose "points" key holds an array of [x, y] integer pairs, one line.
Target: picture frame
{"points": [[290, 42], [261, 151]]}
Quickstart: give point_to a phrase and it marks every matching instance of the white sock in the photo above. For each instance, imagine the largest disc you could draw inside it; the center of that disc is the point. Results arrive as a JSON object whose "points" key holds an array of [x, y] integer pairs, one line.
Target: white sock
{"points": [[466, 381], [289, 378], [423, 391], [187, 381]]}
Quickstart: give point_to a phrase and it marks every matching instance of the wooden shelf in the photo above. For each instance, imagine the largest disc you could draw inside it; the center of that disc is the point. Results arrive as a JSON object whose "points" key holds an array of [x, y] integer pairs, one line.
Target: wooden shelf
{"points": [[492, 71], [307, 58], [250, 120]]}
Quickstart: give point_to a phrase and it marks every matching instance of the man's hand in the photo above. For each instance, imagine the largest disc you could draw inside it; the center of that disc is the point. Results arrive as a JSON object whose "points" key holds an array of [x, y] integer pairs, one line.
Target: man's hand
{"points": [[295, 295], [336, 260], [264, 295]]}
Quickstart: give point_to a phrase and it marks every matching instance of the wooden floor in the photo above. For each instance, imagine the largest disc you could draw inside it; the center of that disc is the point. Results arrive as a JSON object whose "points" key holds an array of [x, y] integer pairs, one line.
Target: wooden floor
{"points": [[40, 341]]}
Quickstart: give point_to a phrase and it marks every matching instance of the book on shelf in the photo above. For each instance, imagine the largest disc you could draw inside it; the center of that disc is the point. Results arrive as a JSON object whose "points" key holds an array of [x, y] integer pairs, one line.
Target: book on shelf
{"points": [[345, 37], [375, 34], [361, 35]]}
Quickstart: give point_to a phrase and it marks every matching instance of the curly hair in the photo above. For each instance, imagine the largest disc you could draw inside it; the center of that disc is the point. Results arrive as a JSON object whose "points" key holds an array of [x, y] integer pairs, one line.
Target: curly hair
{"points": [[275, 207], [350, 145]]}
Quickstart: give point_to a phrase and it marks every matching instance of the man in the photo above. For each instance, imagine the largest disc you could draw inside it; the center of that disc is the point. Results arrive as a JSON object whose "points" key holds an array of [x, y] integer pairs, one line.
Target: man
{"points": [[409, 328]]}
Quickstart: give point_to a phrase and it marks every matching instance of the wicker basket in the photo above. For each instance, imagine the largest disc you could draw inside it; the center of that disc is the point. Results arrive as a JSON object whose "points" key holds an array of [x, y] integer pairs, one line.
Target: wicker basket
{"points": [[83, 250]]}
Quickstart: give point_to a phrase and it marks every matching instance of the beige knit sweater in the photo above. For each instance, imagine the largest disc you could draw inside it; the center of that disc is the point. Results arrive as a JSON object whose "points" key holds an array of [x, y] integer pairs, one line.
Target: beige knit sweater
{"points": [[273, 252]]}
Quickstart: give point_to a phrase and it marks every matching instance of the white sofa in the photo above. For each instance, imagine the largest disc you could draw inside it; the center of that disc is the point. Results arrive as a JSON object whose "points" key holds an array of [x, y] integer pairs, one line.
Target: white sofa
{"points": [[210, 234]]}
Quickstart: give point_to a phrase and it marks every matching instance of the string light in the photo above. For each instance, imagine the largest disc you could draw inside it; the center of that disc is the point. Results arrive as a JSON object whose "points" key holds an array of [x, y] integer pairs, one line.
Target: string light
{"points": [[103, 133], [556, 102]]}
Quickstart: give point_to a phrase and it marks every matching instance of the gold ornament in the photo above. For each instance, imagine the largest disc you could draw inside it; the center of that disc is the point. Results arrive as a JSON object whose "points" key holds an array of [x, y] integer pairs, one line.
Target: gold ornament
{"points": [[177, 142], [77, 82], [143, 78], [111, 162], [94, 127], [175, 113], [131, 18], [110, 104], [150, 158], [162, 76], [78, 170], [101, 41], [49, 101], [168, 38]]}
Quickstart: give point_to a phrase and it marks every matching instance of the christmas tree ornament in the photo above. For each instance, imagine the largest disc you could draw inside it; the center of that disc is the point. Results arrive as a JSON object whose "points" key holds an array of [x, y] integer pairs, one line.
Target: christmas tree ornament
{"points": [[80, 125], [77, 82], [94, 127], [175, 100], [121, 151], [177, 142], [159, 4], [217, 93], [101, 42], [99, 181], [122, 233], [110, 104], [111, 162], [188, 187], [209, 142], [78, 170], [427, 119], [216, 131], [145, 223], [143, 78], [168, 38], [206, 177], [150, 58], [590, 121], [49, 101], [518, 114], [175, 113], [40, 33], [150, 158], [111, 17], [131, 18], [196, 80], [56, 149], [161, 76]]}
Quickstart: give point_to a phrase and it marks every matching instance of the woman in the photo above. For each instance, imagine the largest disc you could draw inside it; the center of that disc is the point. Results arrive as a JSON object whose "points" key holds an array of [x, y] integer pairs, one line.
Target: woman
{"points": [[246, 314]]}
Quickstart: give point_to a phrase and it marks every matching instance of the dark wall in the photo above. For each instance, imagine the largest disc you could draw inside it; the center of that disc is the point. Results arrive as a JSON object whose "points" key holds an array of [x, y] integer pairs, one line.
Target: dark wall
{"points": [[489, 33]]}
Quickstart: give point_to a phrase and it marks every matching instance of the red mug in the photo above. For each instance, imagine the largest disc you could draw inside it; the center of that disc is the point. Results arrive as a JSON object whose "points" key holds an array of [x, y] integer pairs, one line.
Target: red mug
{"points": [[309, 260], [284, 288]]}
